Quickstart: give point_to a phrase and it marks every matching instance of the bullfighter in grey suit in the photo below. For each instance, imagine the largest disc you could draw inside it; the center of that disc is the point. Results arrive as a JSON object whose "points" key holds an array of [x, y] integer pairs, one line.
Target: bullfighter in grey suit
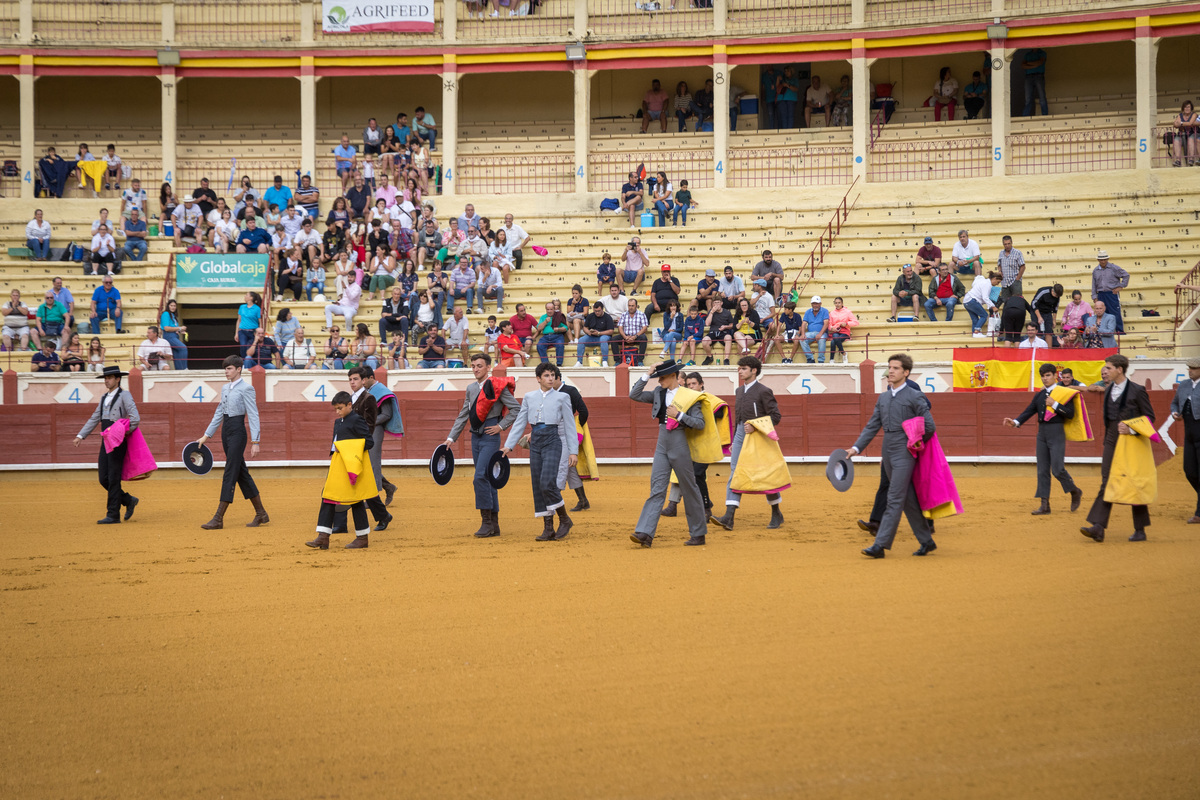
{"points": [[116, 404], [553, 448], [1186, 406], [237, 406], [897, 404], [485, 439], [1051, 441], [671, 453]]}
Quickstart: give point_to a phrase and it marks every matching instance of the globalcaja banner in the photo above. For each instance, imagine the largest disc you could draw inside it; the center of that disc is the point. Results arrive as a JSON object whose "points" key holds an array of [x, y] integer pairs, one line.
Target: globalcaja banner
{"points": [[221, 270], [359, 16], [1008, 369]]}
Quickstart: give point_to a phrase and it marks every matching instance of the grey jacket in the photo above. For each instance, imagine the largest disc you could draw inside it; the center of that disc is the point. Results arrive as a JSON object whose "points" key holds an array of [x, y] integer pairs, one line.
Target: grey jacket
{"points": [[237, 399], [892, 412], [506, 400], [122, 407], [692, 418], [1184, 391], [555, 409]]}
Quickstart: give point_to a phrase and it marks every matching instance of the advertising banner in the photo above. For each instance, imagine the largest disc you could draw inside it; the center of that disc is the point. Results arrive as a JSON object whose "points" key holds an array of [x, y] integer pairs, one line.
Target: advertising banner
{"points": [[221, 270], [361, 16]]}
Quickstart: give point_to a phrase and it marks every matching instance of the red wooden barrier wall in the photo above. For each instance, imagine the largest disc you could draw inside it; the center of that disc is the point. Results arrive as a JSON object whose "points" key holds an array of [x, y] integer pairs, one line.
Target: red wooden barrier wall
{"points": [[813, 425]]}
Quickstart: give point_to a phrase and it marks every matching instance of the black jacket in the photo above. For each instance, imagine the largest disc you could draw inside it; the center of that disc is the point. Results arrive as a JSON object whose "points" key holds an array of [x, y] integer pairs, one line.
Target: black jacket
{"points": [[1038, 406], [352, 426]]}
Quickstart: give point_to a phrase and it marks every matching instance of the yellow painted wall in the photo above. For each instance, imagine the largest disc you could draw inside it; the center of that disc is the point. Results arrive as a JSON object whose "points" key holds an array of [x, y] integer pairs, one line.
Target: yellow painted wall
{"points": [[347, 103], [1179, 67], [520, 97], [241, 101], [106, 104], [10, 102]]}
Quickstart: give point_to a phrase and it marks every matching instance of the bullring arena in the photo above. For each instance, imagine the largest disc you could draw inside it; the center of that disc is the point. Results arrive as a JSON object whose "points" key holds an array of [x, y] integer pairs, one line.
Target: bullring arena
{"points": [[155, 659]]}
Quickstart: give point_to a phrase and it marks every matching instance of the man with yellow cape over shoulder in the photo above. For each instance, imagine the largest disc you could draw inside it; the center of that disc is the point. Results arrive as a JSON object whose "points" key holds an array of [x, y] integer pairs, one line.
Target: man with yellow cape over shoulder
{"points": [[350, 481]]}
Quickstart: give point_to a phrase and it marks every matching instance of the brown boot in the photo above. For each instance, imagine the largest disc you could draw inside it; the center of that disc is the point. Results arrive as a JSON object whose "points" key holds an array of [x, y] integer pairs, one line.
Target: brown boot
{"points": [[321, 542], [217, 522], [358, 542], [1076, 498], [260, 513], [485, 524], [1044, 508]]}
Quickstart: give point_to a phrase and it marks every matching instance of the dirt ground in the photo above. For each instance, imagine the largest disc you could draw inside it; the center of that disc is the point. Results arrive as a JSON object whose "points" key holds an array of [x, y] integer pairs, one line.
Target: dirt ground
{"points": [[154, 660]]}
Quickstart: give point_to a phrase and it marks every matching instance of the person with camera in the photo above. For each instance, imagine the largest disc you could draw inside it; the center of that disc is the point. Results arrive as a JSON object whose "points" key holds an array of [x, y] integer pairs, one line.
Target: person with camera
{"points": [[154, 352], [634, 271]]}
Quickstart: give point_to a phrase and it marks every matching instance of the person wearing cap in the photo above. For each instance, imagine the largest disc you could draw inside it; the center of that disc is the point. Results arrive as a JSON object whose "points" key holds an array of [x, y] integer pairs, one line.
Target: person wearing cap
{"points": [[908, 290], [553, 449], [1051, 440], [665, 289], [671, 453], [1185, 405], [116, 404], [238, 404], [816, 328], [1107, 281], [730, 289], [708, 286], [185, 219], [752, 400], [929, 258], [945, 290]]}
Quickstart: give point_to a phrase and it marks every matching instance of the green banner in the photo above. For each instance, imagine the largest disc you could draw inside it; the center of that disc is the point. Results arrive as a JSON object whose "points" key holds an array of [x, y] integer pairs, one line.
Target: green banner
{"points": [[221, 270]]}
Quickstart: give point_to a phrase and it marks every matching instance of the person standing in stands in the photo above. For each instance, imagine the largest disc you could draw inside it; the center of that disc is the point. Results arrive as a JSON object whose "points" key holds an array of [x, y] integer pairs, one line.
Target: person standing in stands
{"points": [[1107, 282], [115, 405], [237, 404]]}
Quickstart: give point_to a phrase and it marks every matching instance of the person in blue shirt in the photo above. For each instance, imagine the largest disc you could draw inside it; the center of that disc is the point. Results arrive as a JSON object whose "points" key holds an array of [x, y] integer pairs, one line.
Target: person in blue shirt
{"points": [[106, 304], [402, 128], [278, 194], [249, 318], [788, 331], [816, 326], [172, 331], [253, 239], [1034, 64], [606, 274], [344, 159], [975, 96], [767, 95], [693, 332]]}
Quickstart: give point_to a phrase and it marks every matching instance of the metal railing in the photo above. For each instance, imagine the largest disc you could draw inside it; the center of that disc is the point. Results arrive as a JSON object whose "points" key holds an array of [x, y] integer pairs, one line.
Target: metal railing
{"points": [[1184, 306], [68, 21], [516, 20], [646, 19], [496, 174], [891, 12], [798, 165], [939, 159], [816, 256], [188, 173], [782, 15], [168, 284], [607, 171], [214, 23], [1071, 151]]}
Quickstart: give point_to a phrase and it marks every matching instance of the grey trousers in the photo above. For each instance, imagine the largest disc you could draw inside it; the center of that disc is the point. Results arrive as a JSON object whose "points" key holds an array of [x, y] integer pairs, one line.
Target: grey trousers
{"points": [[573, 479], [1051, 450], [732, 498], [672, 453], [898, 464], [376, 453], [545, 453], [483, 446]]}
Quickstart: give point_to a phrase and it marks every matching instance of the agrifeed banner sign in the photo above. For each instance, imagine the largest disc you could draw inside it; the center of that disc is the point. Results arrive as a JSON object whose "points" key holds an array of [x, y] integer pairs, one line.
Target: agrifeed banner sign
{"points": [[221, 271], [360, 16]]}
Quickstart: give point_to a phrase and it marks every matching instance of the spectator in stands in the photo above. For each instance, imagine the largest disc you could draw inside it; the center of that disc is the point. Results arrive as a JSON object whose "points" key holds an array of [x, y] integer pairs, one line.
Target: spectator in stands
{"points": [[683, 204], [516, 236], [395, 314], [429, 241], [788, 329], [663, 291], [746, 326], [468, 219], [636, 260], [253, 239], [606, 275], [277, 194], [398, 352], [945, 95], [358, 197], [672, 330], [508, 346], [345, 159], [249, 318], [50, 319], [244, 196], [382, 271], [730, 289], [425, 127], [490, 286], [106, 304], [46, 360], [720, 330], [438, 283], [1045, 309], [225, 232], [214, 216], [281, 245], [83, 155], [63, 295], [615, 302], [474, 248], [702, 107], [409, 282], [105, 221], [1073, 339], [551, 329], [767, 84], [457, 330], [333, 243], [816, 328], [736, 93], [205, 197], [343, 272], [632, 193], [373, 138], [186, 220], [136, 232], [907, 291], [308, 197], [841, 320], [929, 258], [1031, 340], [463, 282], [391, 147], [664, 198], [432, 349], [1103, 327], [299, 352], [173, 331], [632, 327], [386, 191], [708, 287], [975, 96], [523, 325], [681, 104], [285, 325], [37, 236], [134, 197], [1034, 64], [52, 171], [1011, 263], [500, 254], [419, 170], [314, 276], [363, 348], [693, 333], [104, 252], [95, 355], [843, 104], [262, 351], [1107, 282], [167, 202], [965, 257], [403, 130], [576, 309], [311, 244], [1077, 313], [817, 97], [771, 271], [16, 321], [654, 104], [597, 330], [1185, 140], [490, 333], [154, 353], [945, 290], [72, 354], [1014, 312], [787, 97], [346, 305], [336, 350], [978, 301]]}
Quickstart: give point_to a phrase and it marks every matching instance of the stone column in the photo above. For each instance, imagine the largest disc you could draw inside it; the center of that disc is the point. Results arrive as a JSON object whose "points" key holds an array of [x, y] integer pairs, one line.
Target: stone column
{"points": [[1146, 57], [579, 29], [858, 12], [720, 117], [450, 23], [167, 21], [448, 127], [308, 119], [861, 114], [583, 124], [25, 21], [1001, 107], [307, 28], [720, 9], [170, 120], [26, 78]]}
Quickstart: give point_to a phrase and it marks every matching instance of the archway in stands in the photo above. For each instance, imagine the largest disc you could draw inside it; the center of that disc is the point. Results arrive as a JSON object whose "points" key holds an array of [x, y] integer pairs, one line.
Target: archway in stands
{"points": [[10, 132], [1083, 79], [210, 328], [1178, 81]]}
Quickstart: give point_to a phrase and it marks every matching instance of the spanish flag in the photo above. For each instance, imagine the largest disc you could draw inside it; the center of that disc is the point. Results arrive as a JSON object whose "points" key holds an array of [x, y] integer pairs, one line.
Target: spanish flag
{"points": [[1010, 369]]}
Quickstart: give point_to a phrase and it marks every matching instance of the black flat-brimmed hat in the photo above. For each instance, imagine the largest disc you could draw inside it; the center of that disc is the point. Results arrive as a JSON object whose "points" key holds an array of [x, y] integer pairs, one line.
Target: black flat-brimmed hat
{"points": [[441, 465], [498, 469], [667, 368], [113, 371], [197, 458], [840, 470]]}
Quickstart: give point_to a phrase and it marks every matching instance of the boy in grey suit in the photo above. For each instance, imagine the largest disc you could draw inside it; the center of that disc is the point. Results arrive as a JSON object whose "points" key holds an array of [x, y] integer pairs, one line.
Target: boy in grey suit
{"points": [[1185, 405], [116, 404], [237, 406], [671, 453], [897, 404]]}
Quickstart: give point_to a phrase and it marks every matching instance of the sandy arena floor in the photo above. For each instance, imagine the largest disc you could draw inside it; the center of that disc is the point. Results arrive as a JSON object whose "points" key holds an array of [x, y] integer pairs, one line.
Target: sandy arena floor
{"points": [[155, 660]]}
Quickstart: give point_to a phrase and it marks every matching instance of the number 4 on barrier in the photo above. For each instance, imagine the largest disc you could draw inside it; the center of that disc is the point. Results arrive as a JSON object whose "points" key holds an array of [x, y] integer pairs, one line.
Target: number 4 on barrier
{"points": [[720, 166], [28, 177]]}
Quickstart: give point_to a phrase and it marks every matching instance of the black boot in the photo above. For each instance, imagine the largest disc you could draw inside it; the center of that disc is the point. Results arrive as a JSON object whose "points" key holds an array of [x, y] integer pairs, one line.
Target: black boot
{"points": [[583, 504], [1044, 508], [670, 510], [776, 517], [547, 529], [564, 524], [485, 526], [726, 521]]}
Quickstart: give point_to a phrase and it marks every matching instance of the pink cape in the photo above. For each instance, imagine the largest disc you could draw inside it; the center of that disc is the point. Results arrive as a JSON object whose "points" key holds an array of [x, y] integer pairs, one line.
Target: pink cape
{"points": [[139, 463], [931, 477]]}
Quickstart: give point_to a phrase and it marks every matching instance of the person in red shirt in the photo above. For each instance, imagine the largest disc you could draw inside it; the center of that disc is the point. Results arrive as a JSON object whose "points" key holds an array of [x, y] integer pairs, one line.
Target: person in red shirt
{"points": [[929, 258], [945, 290], [508, 346], [523, 324]]}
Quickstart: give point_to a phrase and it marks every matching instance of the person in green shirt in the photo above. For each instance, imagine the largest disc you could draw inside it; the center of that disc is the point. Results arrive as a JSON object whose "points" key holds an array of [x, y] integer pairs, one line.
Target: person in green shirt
{"points": [[51, 316], [683, 201], [551, 329]]}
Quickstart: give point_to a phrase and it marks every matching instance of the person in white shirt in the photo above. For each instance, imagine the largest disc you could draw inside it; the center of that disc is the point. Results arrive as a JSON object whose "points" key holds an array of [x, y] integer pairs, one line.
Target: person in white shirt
{"points": [[224, 232], [281, 241], [1031, 340], [616, 303], [978, 301], [37, 236], [965, 257], [517, 238], [133, 197], [185, 219], [113, 176], [105, 221], [309, 242], [299, 352], [817, 96], [292, 221], [457, 333], [154, 352], [104, 249], [404, 214], [490, 285]]}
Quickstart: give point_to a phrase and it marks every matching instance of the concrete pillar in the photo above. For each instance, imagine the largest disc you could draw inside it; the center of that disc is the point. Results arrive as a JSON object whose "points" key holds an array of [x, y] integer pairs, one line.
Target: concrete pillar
{"points": [[306, 21], [1001, 107], [720, 117], [308, 120], [860, 87], [720, 9], [583, 124], [448, 128], [579, 29], [167, 21], [26, 78], [858, 12], [169, 127], [449, 25], [1146, 56], [997, 10], [25, 21]]}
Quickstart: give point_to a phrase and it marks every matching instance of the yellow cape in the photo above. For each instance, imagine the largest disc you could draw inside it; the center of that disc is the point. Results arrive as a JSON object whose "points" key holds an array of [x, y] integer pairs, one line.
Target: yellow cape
{"points": [[1133, 478], [705, 443], [587, 467], [760, 468], [349, 458], [1078, 428]]}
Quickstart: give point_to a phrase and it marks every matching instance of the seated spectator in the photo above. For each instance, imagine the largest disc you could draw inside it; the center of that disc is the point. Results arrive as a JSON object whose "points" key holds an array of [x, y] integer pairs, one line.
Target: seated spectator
{"points": [[104, 252], [730, 289], [167, 202], [1103, 327], [37, 236], [363, 348], [978, 302], [1077, 313], [154, 352], [708, 287], [225, 232], [398, 352], [386, 191], [345, 159], [314, 277], [468, 219], [654, 104], [551, 330], [262, 351], [277, 194], [632, 327], [509, 347], [334, 245], [463, 282], [597, 331], [346, 305], [606, 275], [1031, 340], [292, 221], [16, 321], [285, 325], [308, 197], [379, 229], [458, 331], [339, 216], [761, 300], [664, 198], [404, 244], [172, 331], [908, 291], [1184, 139], [945, 92], [428, 315], [720, 329], [424, 127], [683, 203], [106, 304], [817, 97], [136, 232], [664, 290], [681, 104], [515, 235], [452, 237], [299, 352], [250, 209], [186, 220], [929, 258], [490, 287], [112, 175], [771, 271], [474, 247], [745, 327], [63, 295], [491, 332], [432, 349], [95, 355], [438, 284], [636, 261], [523, 325], [135, 197], [205, 197], [843, 104], [429, 242], [693, 333], [1014, 312], [311, 244], [975, 96], [273, 218], [410, 284], [383, 273], [72, 354], [702, 106], [358, 197], [395, 315], [672, 329], [631, 197], [336, 350], [1073, 338], [816, 328], [105, 221], [46, 360], [966, 258], [1045, 309], [51, 319], [253, 239], [281, 241], [576, 309], [788, 329], [945, 290]]}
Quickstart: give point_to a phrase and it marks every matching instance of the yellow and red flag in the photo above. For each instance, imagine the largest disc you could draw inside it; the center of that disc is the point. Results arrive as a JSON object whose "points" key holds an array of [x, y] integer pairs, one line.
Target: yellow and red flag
{"points": [[1010, 369]]}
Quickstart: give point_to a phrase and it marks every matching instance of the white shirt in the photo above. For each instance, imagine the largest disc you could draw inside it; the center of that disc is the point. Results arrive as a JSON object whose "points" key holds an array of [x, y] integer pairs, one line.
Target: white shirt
{"points": [[134, 199], [671, 395], [965, 253], [456, 330], [104, 245], [404, 213], [113, 161], [299, 353], [292, 224], [305, 240], [1118, 389], [354, 397], [187, 216], [516, 234], [108, 223], [147, 347], [107, 399], [615, 307], [228, 229], [747, 387], [283, 242], [980, 292], [1026, 344], [895, 390], [35, 231]]}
